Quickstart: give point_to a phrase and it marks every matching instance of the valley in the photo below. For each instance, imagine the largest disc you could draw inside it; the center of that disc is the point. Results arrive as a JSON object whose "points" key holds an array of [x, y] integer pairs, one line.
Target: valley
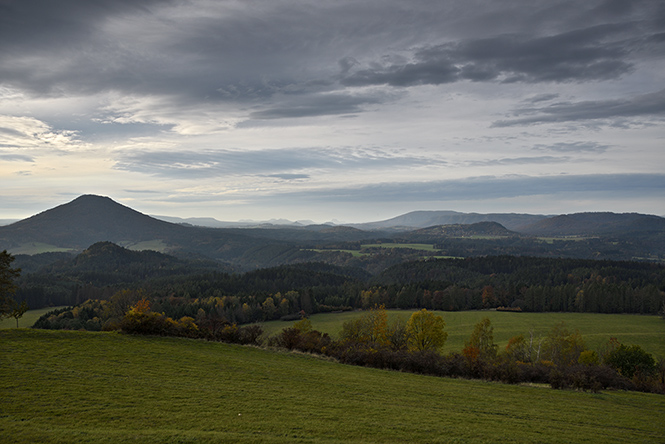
{"points": [[165, 306]]}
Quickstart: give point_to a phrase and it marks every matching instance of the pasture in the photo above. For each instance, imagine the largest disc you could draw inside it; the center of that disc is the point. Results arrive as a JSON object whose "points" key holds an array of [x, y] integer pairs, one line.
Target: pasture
{"points": [[27, 320], [645, 331], [64, 386]]}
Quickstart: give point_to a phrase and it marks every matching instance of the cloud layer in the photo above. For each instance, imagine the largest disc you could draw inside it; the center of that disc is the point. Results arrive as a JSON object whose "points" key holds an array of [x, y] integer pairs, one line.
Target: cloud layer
{"points": [[232, 102]]}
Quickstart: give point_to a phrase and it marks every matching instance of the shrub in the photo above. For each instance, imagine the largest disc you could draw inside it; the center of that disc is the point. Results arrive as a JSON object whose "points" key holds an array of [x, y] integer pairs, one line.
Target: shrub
{"points": [[250, 334], [631, 360]]}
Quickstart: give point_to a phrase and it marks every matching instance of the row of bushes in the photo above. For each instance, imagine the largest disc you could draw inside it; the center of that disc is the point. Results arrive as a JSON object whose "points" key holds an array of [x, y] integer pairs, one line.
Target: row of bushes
{"points": [[140, 320], [501, 368], [624, 367]]}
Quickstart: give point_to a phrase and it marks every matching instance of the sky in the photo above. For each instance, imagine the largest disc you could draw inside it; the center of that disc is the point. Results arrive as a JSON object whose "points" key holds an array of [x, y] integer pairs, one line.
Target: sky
{"points": [[351, 111]]}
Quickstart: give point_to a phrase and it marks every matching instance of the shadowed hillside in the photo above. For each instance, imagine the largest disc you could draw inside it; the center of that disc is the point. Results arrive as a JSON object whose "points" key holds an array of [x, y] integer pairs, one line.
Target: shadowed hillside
{"points": [[89, 219], [595, 224], [424, 219], [84, 221], [459, 230]]}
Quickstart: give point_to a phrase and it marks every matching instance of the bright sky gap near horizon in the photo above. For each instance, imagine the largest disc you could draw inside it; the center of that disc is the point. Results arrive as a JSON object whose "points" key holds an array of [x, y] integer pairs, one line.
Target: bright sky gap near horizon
{"points": [[349, 110]]}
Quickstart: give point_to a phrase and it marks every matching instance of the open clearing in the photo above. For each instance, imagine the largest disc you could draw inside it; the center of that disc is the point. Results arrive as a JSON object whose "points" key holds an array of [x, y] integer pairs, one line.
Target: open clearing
{"points": [[63, 386], [645, 331], [38, 248], [424, 247], [28, 318]]}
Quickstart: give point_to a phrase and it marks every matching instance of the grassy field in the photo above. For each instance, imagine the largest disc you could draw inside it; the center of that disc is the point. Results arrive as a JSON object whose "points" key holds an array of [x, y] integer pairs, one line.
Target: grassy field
{"points": [[424, 247], [364, 247], [37, 248], [646, 331], [62, 387], [354, 253], [154, 245], [28, 318]]}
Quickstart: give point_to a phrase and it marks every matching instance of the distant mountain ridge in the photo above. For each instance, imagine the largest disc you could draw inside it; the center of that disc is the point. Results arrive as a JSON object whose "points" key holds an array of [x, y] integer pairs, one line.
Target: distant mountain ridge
{"points": [[89, 219], [211, 222], [84, 221], [595, 224], [424, 219], [464, 230]]}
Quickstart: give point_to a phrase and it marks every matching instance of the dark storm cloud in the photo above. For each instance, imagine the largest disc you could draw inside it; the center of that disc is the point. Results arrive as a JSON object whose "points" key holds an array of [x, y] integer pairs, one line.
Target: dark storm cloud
{"points": [[194, 52], [645, 105], [46, 45], [594, 53], [251, 50], [484, 188], [541, 98], [282, 163]]}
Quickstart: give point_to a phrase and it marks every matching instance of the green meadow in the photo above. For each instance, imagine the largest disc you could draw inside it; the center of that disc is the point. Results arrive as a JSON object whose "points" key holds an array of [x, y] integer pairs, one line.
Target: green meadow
{"points": [[84, 387], [27, 320], [424, 247], [645, 331], [38, 248]]}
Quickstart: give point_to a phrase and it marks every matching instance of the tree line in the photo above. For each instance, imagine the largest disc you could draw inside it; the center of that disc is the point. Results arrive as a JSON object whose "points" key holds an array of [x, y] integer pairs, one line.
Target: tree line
{"points": [[503, 282], [560, 359]]}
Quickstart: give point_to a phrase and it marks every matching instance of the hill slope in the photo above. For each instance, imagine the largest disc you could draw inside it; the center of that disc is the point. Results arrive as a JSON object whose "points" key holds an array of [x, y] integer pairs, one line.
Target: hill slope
{"points": [[424, 219], [84, 221], [595, 224], [461, 230], [152, 389]]}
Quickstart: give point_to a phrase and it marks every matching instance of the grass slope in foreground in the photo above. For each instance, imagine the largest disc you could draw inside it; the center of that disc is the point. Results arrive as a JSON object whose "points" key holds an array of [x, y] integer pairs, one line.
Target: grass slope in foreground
{"points": [[63, 386]]}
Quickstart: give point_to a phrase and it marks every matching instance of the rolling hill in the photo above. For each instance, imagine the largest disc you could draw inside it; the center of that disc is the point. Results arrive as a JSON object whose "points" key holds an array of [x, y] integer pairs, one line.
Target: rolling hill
{"points": [[84, 221], [74, 226], [424, 219], [595, 224], [466, 230], [114, 388]]}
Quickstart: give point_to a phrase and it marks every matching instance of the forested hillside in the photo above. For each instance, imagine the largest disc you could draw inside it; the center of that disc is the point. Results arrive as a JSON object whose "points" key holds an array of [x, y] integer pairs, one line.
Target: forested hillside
{"points": [[74, 226], [199, 287]]}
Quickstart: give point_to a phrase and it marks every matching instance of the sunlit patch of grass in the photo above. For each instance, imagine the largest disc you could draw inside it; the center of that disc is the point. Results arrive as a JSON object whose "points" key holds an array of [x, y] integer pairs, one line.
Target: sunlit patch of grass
{"points": [[38, 248]]}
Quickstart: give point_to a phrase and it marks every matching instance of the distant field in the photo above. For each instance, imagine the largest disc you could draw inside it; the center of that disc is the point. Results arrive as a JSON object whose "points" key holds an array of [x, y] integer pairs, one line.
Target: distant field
{"points": [[425, 247], [28, 318], [354, 253], [38, 248], [61, 387], [358, 253], [551, 240], [154, 245], [646, 331]]}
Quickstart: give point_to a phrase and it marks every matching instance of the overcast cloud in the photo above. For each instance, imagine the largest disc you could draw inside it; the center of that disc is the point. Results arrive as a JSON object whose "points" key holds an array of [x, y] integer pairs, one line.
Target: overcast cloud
{"points": [[351, 110]]}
